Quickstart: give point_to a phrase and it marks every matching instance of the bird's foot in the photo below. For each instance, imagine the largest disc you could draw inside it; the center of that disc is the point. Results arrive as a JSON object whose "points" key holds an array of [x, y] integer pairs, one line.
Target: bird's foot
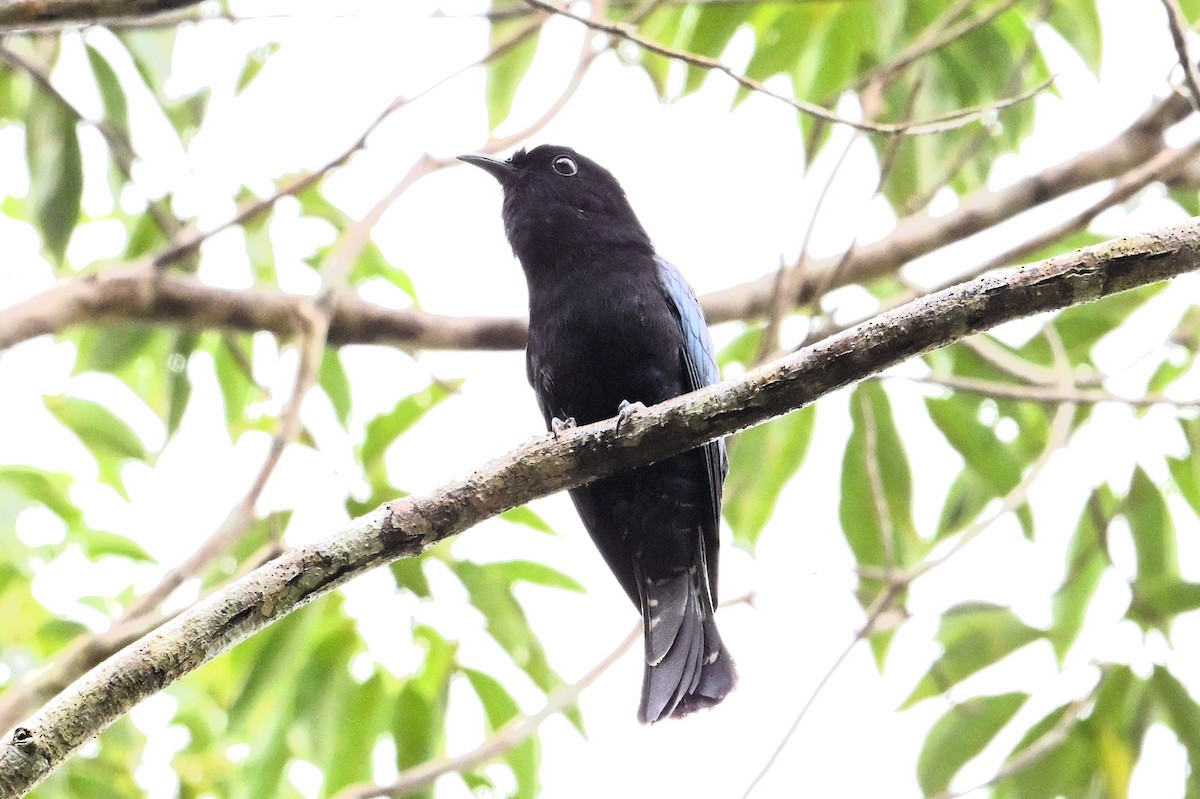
{"points": [[625, 410], [559, 425]]}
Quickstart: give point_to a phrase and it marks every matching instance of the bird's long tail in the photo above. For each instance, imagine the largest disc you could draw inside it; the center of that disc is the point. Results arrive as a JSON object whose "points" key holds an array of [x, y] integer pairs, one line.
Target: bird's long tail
{"points": [[687, 666]]}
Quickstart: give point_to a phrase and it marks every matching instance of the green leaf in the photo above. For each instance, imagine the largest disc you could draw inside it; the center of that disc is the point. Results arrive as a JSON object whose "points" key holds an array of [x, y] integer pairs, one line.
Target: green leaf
{"points": [[264, 768], [1159, 601], [336, 384], [47, 488], [419, 714], [256, 59], [961, 734], [359, 714], [54, 634], [371, 263], [536, 574], [664, 24], [409, 573], [1078, 21], [1121, 715], [500, 707], [490, 588], [112, 95], [179, 385], [145, 236], [14, 96], [525, 515], [105, 435], [1187, 199], [743, 349], [231, 363], [261, 660], [55, 172], [714, 27], [1157, 552], [1185, 471], [1087, 560], [993, 460], [187, 113], [504, 73], [1183, 717], [1066, 769], [966, 498], [875, 507], [97, 427], [97, 544], [761, 461], [973, 635], [384, 429]]}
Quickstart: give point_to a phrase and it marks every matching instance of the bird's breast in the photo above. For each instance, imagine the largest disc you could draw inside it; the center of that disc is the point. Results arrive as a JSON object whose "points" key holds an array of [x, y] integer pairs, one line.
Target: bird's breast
{"points": [[595, 343]]}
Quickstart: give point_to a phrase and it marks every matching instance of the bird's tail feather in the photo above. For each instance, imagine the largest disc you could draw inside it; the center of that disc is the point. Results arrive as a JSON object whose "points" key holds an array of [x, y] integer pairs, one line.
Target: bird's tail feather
{"points": [[687, 666]]}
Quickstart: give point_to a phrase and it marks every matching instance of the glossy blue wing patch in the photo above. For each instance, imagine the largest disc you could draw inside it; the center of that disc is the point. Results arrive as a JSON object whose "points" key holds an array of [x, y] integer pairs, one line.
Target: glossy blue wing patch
{"points": [[700, 358], [699, 352]]}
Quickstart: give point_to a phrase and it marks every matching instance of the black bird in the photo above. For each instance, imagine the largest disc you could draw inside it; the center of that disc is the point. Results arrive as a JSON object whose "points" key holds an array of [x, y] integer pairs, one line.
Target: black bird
{"points": [[611, 326]]}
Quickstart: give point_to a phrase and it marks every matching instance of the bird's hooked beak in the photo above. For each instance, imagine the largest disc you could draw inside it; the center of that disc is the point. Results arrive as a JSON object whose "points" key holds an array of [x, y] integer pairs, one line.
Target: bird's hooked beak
{"points": [[500, 170]]}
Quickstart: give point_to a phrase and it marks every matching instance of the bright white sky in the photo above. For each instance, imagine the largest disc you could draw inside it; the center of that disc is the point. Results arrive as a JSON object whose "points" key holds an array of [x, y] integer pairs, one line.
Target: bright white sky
{"points": [[723, 195]]}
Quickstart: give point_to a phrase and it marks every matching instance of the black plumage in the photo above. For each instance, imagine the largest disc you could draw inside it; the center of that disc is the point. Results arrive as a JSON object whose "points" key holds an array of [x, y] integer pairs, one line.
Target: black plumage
{"points": [[609, 322]]}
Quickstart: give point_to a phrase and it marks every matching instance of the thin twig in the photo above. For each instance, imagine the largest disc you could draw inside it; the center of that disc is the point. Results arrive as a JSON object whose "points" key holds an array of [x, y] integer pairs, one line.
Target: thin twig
{"points": [[982, 134], [191, 242], [941, 33], [883, 602], [1045, 394], [1161, 167], [819, 287], [1177, 23], [783, 300], [938, 124]]}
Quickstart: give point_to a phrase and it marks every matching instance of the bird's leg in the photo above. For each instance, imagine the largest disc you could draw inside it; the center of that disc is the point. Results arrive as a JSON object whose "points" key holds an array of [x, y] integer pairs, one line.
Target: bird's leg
{"points": [[558, 425], [625, 410]]}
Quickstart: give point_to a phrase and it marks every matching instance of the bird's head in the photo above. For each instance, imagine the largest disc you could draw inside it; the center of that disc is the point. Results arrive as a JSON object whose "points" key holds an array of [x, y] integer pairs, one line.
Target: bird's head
{"points": [[557, 201]]}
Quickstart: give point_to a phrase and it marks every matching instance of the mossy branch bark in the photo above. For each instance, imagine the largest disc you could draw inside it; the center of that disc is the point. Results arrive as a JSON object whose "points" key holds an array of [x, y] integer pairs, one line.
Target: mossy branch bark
{"points": [[407, 527]]}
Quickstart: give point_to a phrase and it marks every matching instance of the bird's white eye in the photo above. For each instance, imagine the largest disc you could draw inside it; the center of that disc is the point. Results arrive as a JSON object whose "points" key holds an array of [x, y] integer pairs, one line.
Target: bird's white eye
{"points": [[565, 166]]}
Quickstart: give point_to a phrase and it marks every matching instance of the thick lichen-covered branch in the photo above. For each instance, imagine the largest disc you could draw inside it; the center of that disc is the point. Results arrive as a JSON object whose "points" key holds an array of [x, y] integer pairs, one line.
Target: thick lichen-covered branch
{"points": [[407, 527], [24, 13]]}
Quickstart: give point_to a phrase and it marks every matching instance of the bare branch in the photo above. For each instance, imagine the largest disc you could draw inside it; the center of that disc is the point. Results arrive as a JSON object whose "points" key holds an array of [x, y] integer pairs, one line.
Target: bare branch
{"points": [[130, 296], [1048, 394], [142, 296], [1162, 166], [16, 14], [1177, 23], [921, 234], [407, 527]]}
